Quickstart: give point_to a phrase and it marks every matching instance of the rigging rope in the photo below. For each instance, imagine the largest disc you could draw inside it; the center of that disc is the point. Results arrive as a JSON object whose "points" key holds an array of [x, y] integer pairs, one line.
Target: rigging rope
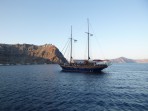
{"points": [[68, 54], [98, 43], [67, 47]]}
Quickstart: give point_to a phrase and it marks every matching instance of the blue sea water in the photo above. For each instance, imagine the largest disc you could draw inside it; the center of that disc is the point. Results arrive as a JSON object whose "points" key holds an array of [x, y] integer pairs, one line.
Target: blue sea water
{"points": [[121, 87]]}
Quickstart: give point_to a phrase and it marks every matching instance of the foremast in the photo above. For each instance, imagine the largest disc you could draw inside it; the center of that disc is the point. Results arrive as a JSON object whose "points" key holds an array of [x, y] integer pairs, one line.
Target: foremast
{"points": [[71, 39]]}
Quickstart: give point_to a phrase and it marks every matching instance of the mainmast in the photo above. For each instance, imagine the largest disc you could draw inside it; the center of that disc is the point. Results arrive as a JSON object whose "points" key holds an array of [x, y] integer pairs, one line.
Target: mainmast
{"points": [[71, 46], [88, 38], [89, 34]]}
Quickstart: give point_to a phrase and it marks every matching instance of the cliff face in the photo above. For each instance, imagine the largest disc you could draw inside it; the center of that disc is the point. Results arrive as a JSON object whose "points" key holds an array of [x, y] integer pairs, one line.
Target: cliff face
{"points": [[30, 54]]}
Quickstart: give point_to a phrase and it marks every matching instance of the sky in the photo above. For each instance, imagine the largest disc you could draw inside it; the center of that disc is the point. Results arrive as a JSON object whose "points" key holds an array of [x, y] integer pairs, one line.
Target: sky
{"points": [[119, 27]]}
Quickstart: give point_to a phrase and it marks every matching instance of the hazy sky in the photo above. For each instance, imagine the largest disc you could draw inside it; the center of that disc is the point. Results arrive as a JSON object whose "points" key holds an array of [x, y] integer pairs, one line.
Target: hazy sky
{"points": [[120, 27]]}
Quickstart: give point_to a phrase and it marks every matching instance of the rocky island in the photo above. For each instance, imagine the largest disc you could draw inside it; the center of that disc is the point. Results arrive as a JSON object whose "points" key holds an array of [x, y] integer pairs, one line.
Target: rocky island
{"points": [[30, 54]]}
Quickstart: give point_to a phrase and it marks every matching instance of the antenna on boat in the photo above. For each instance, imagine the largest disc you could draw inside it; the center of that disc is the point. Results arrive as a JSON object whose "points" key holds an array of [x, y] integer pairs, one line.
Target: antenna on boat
{"points": [[89, 34]]}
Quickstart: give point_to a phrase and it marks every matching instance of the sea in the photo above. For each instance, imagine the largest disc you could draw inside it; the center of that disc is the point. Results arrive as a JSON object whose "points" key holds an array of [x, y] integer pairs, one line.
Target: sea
{"points": [[120, 87]]}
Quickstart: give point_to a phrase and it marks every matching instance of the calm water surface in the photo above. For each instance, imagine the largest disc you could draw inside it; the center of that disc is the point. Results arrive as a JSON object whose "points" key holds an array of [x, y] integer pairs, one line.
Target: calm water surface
{"points": [[122, 87]]}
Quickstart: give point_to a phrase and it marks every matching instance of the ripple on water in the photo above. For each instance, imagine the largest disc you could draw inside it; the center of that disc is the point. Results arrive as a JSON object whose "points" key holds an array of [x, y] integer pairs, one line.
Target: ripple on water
{"points": [[44, 87]]}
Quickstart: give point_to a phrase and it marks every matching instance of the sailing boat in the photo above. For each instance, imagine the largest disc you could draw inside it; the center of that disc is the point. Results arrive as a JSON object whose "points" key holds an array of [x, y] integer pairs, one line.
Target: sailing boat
{"points": [[84, 65]]}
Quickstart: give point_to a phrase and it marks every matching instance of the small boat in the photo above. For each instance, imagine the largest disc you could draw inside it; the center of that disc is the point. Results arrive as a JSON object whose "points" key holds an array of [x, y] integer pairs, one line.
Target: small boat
{"points": [[84, 65]]}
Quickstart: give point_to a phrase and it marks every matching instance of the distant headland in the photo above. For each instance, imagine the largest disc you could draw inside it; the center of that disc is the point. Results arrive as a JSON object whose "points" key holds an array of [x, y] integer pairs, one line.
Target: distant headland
{"points": [[126, 60], [30, 54]]}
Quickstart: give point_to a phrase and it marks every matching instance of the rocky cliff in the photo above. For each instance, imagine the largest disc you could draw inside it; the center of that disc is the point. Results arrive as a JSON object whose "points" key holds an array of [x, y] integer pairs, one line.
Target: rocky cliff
{"points": [[30, 54]]}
